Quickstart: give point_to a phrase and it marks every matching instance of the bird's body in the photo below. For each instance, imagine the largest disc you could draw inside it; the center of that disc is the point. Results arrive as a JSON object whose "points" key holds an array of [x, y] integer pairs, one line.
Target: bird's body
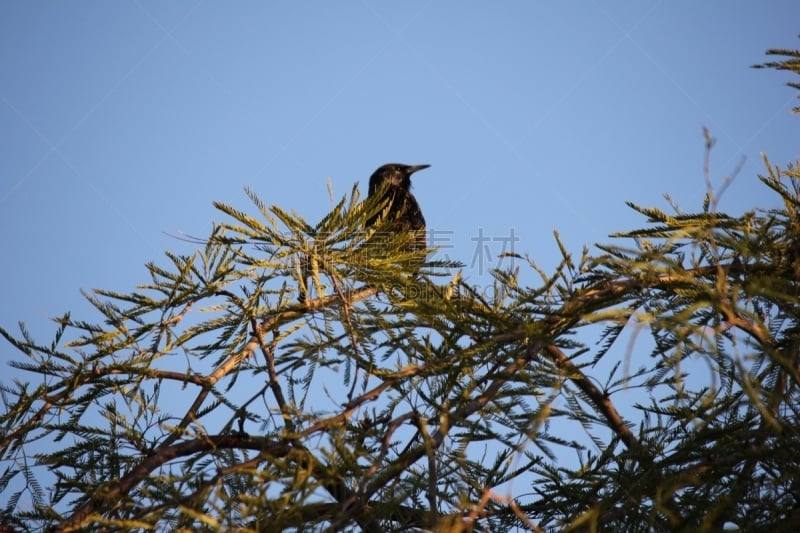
{"points": [[393, 182], [404, 215]]}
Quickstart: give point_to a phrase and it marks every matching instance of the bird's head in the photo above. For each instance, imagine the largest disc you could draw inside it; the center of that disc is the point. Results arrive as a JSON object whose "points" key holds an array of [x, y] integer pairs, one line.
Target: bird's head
{"points": [[395, 175]]}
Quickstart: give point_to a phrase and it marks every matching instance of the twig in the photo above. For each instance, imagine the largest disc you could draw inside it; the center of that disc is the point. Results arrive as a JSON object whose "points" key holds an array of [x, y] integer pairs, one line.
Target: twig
{"points": [[274, 385]]}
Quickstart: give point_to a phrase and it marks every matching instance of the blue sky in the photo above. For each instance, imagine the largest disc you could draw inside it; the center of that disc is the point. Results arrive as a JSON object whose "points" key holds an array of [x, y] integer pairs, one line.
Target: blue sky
{"points": [[122, 121]]}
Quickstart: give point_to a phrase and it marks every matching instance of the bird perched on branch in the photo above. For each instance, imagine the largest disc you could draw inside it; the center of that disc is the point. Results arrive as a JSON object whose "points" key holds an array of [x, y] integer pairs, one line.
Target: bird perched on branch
{"points": [[393, 180]]}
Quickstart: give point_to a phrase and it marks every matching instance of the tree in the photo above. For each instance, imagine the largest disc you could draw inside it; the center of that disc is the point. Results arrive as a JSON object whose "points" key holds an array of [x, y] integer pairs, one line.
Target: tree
{"points": [[399, 400]]}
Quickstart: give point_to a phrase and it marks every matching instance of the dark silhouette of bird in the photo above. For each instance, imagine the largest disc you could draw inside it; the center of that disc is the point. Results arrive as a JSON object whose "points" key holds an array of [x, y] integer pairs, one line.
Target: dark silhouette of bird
{"points": [[393, 181]]}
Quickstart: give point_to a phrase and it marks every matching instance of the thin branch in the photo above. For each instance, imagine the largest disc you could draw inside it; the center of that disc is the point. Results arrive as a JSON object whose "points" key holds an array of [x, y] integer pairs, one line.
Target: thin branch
{"points": [[601, 402], [164, 454], [430, 451], [274, 384]]}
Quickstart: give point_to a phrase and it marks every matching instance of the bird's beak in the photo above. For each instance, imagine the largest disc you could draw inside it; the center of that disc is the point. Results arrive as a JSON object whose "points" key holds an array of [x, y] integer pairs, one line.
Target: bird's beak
{"points": [[413, 168]]}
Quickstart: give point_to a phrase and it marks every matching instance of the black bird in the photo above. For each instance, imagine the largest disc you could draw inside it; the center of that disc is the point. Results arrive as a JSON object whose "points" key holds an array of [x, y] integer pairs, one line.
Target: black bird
{"points": [[404, 215]]}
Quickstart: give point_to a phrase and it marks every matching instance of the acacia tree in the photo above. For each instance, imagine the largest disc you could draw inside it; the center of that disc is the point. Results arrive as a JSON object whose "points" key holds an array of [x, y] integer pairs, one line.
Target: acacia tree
{"points": [[398, 398]]}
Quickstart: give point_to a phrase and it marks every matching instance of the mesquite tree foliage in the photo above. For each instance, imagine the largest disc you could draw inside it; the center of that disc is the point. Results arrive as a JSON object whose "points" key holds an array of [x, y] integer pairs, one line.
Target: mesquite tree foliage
{"points": [[398, 397]]}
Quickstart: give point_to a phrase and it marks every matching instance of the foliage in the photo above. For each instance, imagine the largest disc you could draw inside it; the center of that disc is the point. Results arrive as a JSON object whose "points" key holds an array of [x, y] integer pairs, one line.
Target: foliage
{"points": [[399, 397], [791, 62]]}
